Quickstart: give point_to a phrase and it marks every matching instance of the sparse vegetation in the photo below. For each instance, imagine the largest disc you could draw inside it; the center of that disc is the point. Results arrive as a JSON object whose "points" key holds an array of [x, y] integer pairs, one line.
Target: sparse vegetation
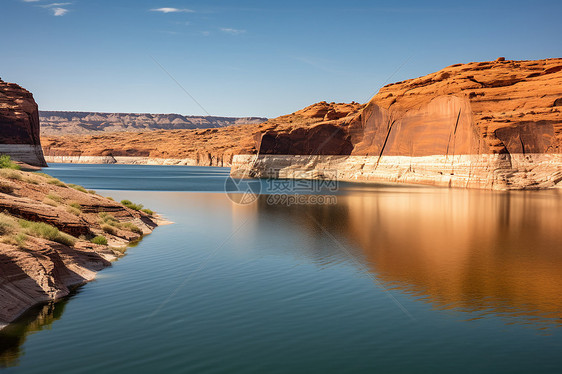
{"points": [[7, 224], [46, 231], [15, 239], [131, 227], [50, 202], [7, 163], [53, 196], [107, 220], [11, 174], [93, 192], [147, 211], [73, 210], [77, 187], [109, 229], [129, 204], [43, 175], [56, 182], [100, 239]]}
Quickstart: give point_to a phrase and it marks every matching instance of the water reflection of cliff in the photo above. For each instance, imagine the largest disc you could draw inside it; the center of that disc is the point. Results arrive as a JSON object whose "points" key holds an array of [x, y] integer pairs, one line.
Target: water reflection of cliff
{"points": [[475, 251], [14, 335]]}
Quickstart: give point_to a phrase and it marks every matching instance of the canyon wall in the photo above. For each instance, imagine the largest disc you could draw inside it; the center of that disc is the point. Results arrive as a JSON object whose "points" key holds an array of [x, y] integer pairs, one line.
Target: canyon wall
{"points": [[19, 125], [492, 125]]}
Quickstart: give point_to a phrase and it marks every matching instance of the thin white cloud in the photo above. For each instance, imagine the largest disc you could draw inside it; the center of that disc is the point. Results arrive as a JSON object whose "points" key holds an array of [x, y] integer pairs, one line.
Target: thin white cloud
{"points": [[59, 11], [52, 5], [30, 1], [56, 8], [172, 10], [232, 31]]}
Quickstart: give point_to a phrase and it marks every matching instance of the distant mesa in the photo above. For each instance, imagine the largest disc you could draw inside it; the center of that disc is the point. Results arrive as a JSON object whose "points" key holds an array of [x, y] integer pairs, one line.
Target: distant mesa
{"points": [[60, 122]]}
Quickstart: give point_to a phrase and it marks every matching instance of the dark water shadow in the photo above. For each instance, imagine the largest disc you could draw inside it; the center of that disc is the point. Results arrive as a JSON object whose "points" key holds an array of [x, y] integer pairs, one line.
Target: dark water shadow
{"points": [[38, 318]]}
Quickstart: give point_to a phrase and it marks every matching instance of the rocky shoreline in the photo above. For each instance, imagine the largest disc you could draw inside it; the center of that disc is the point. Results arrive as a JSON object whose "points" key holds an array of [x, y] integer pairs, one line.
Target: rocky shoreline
{"points": [[124, 160], [55, 236], [494, 172]]}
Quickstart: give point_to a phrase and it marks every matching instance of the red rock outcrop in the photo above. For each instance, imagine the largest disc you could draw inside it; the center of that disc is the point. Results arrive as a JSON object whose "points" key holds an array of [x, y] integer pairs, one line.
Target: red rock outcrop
{"points": [[493, 124], [19, 125], [490, 107]]}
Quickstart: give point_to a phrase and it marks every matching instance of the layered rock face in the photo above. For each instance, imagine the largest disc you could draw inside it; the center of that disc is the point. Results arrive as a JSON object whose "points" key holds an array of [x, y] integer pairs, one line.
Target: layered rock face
{"points": [[205, 147], [37, 265], [487, 125], [19, 125], [63, 123]]}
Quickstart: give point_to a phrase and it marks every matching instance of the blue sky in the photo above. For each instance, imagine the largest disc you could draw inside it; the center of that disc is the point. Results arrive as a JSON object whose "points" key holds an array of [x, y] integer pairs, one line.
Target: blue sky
{"points": [[252, 58]]}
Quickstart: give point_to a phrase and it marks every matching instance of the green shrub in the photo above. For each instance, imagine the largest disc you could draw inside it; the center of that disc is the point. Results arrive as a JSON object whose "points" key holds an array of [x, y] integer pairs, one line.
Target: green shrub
{"points": [[93, 192], [73, 210], [43, 175], [109, 219], [56, 182], [147, 211], [7, 224], [46, 231], [109, 229], [16, 239], [100, 239], [77, 187], [11, 174], [54, 197], [131, 227], [111, 223], [7, 163], [129, 204], [76, 205], [50, 202]]}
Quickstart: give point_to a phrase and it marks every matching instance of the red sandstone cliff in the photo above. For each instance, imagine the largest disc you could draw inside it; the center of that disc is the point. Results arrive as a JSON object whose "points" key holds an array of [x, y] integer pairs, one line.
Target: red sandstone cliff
{"points": [[494, 124], [481, 107], [19, 125]]}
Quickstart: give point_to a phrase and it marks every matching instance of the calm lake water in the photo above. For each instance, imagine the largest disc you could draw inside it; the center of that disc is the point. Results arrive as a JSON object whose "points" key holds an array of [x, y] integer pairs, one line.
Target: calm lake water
{"points": [[389, 279]]}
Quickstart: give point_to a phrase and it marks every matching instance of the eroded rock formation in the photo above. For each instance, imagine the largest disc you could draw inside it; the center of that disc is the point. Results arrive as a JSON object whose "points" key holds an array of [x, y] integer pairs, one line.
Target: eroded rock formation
{"points": [[487, 125], [19, 125], [42, 263]]}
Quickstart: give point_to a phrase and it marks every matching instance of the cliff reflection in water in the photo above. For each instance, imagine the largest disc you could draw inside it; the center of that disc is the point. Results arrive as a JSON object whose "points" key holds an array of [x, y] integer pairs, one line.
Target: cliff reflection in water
{"points": [[35, 319], [472, 251]]}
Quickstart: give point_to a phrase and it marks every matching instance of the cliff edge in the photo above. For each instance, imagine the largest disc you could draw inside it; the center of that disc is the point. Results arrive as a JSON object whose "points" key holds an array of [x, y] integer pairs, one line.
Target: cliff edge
{"points": [[494, 124], [19, 125]]}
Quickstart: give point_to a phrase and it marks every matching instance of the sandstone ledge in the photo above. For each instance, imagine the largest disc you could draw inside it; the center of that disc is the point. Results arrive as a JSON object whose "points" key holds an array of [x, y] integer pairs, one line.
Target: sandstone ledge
{"points": [[482, 171], [38, 266]]}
